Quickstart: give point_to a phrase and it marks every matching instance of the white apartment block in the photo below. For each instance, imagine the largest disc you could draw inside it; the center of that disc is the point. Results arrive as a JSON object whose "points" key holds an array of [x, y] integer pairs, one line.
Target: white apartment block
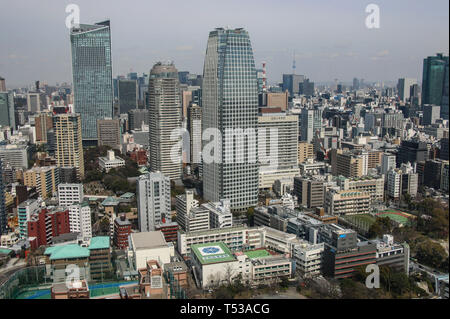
{"points": [[69, 194], [153, 198], [80, 220], [394, 183]]}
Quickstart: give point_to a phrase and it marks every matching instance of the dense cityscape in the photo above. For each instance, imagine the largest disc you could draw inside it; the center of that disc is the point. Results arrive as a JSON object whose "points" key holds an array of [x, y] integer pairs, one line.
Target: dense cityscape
{"points": [[165, 184]]}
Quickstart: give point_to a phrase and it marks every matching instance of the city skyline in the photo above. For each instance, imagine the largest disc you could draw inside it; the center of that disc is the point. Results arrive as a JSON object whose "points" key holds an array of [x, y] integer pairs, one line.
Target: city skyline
{"points": [[338, 47]]}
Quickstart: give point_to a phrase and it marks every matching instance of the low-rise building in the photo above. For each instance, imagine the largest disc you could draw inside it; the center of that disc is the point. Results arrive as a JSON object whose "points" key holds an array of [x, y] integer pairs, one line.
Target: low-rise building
{"points": [[110, 161], [146, 246]]}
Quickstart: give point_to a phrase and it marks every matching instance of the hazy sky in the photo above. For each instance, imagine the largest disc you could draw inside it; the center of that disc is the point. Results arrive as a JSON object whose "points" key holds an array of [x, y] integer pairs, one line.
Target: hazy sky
{"points": [[329, 37]]}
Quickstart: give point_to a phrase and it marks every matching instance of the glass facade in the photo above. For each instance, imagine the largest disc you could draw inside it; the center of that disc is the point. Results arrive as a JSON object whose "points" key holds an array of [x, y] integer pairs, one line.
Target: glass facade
{"points": [[435, 82], [230, 101], [7, 117], [3, 219], [92, 75]]}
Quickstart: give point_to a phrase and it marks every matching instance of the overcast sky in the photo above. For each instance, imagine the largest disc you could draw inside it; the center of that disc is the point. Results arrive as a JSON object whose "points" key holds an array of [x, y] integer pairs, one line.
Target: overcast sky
{"points": [[329, 37]]}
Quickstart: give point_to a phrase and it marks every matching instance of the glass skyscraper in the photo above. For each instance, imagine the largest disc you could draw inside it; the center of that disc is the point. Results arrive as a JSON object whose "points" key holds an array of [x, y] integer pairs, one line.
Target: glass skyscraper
{"points": [[7, 117], [435, 82], [3, 219], [92, 76], [230, 101]]}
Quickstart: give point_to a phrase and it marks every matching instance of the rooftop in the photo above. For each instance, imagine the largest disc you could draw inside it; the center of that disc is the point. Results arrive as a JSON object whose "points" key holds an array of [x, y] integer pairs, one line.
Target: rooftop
{"points": [[146, 240], [69, 251], [212, 253], [257, 253], [100, 242]]}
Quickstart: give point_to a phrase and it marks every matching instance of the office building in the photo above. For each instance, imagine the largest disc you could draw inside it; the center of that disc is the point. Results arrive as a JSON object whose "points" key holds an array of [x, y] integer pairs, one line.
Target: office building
{"points": [[15, 155], [412, 151], [310, 123], [308, 258], [92, 76], [283, 164], [136, 118], [430, 114], [43, 122], [194, 127], [346, 202], [153, 196], [373, 185], [230, 102], [127, 95], [443, 154], [164, 118], [7, 116], [291, 83], [145, 246], [343, 255], [3, 217], [350, 164], [2, 84], [435, 82], [278, 100], [404, 88], [388, 161], [305, 151], [309, 191], [69, 143], [109, 133]]}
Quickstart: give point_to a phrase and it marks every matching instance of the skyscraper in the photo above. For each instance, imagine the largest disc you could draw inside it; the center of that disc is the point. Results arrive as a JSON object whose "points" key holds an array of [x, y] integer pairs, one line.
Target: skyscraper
{"points": [[230, 101], [69, 147], [92, 76], [404, 88], [153, 197], [291, 82], [194, 127], [435, 82], [3, 219], [7, 117], [128, 95], [164, 118], [310, 122]]}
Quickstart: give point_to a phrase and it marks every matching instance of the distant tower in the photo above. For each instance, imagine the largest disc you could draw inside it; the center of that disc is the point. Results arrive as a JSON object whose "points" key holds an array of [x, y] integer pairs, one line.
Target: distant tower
{"points": [[264, 77], [293, 64]]}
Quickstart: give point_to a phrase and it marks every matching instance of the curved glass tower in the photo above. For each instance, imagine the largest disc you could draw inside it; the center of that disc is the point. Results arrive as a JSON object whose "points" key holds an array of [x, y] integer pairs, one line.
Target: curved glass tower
{"points": [[92, 76], [230, 101]]}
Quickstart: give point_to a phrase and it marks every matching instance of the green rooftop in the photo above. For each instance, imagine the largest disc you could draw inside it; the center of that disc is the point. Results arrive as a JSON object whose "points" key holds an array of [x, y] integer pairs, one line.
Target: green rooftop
{"points": [[257, 253], [110, 201], [212, 253], [100, 242], [5, 251], [69, 251]]}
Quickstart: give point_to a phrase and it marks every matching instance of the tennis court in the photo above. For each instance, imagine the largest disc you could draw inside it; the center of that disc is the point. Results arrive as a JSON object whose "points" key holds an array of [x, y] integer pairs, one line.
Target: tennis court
{"points": [[397, 216]]}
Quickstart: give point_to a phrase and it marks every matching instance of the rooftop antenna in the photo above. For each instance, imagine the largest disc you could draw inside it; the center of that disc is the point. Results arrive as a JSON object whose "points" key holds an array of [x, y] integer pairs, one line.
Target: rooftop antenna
{"points": [[293, 64]]}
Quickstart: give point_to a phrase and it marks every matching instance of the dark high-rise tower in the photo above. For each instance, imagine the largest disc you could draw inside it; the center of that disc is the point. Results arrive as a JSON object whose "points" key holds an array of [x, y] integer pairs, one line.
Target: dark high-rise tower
{"points": [[435, 82], [3, 219], [92, 76]]}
